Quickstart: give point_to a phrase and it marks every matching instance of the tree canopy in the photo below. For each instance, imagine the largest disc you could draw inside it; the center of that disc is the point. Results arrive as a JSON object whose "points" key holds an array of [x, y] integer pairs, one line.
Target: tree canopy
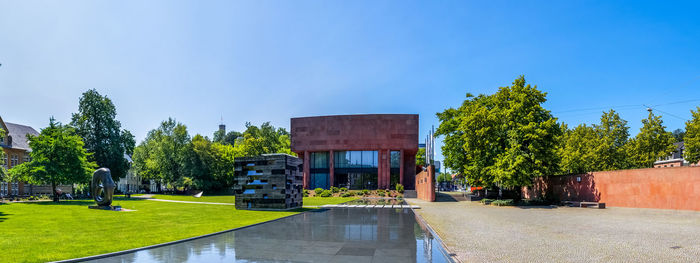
{"points": [[96, 123], [651, 143], [58, 157], [692, 137], [170, 155], [506, 138]]}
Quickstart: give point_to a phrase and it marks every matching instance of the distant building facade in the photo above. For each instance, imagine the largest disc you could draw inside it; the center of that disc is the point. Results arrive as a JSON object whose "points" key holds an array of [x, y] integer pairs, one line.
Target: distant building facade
{"points": [[17, 151], [374, 151], [674, 159], [269, 181]]}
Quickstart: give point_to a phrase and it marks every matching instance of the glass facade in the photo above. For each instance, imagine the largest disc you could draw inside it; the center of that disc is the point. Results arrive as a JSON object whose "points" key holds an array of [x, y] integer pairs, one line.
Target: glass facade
{"points": [[318, 164], [395, 168], [355, 169]]}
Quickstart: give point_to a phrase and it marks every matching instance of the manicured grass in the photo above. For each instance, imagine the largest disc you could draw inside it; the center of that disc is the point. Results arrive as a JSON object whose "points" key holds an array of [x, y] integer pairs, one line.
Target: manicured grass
{"points": [[319, 201], [45, 231], [213, 199], [308, 201]]}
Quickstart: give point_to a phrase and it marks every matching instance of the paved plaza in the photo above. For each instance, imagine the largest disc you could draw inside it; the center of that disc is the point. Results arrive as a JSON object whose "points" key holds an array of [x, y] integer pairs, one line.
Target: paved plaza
{"points": [[479, 233]]}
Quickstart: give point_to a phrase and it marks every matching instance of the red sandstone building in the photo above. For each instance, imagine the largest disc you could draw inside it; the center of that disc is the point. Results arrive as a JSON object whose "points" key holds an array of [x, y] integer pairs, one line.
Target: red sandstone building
{"points": [[375, 151]]}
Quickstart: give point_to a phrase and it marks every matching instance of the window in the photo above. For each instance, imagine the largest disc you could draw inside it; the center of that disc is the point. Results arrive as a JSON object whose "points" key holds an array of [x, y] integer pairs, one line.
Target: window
{"points": [[318, 160], [27, 158], [395, 169], [15, 160]]}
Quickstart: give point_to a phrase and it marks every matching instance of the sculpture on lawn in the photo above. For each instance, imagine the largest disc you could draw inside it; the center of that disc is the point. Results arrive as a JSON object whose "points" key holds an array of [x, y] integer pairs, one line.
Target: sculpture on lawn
{"points": [[102, 186]]}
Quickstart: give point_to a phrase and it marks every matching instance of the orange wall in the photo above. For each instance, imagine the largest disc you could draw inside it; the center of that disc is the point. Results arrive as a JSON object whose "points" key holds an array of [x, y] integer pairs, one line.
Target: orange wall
{"points": [[664, 188], [425, 184]]}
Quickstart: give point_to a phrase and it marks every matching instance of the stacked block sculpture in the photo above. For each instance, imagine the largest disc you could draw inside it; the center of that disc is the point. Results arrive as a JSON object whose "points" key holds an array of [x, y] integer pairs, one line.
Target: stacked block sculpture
{"points": [[269, 181]]}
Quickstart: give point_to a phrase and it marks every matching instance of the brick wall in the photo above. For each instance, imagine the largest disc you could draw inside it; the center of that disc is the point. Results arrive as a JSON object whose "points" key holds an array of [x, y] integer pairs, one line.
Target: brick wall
{"points": [[666, 188], [425, 184]]}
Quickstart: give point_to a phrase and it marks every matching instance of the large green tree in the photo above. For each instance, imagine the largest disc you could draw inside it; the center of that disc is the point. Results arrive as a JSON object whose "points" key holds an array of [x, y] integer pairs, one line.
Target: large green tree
{"points": [[506, 138], [651, 143], [599, 147], [692, 137], [162, 155], [220, 136], [58, 157], [262, 140], [609, 149], [577, 150], [96, 123], [209, 164]]}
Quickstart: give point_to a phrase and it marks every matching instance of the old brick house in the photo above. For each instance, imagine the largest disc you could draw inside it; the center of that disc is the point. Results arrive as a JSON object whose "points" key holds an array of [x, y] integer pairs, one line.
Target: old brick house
{"points": [[16, 147]]}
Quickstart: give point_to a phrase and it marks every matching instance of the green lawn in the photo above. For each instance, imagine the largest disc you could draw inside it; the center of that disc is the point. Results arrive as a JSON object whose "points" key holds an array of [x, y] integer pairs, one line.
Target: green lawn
{"points": [[46, 231], [308, 201], [213, 198], [319, 201], [38, 232]]}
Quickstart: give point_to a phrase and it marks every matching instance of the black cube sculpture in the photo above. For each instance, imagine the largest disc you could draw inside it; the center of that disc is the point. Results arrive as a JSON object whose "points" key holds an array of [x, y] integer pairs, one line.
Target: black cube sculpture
{"points": [[269, 181]]}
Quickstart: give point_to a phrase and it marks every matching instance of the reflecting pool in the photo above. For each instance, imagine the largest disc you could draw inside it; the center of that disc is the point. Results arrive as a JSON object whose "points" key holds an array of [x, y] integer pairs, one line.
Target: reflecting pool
{"points": [[324, 235]]}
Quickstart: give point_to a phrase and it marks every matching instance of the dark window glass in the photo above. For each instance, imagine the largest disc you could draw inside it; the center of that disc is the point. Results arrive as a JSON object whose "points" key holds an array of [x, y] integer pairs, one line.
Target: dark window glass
{"points": [[395, 159], [318, 160]]}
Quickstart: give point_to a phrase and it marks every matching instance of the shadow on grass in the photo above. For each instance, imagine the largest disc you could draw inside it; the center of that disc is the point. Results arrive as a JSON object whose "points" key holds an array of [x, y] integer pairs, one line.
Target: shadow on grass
{"points": [[80, 202], [3, 216]]}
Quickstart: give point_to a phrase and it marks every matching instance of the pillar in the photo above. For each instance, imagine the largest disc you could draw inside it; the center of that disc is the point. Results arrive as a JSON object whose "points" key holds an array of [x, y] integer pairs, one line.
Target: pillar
{"points": [[379, 168], [331, 167], [307, 174], [401, 169]]}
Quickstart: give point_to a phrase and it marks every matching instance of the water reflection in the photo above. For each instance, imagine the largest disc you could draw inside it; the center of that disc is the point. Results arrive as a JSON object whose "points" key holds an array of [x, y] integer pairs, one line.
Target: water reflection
{"points": [[376, 201], [355, 234]]}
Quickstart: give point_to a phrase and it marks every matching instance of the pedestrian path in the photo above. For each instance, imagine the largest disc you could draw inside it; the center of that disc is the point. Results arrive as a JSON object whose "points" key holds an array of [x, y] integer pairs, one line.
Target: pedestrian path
{"points": [[371, 206]]}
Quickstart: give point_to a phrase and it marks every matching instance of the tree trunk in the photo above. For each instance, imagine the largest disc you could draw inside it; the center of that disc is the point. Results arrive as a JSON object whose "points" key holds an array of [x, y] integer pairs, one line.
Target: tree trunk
{"points": [[53, 188]]}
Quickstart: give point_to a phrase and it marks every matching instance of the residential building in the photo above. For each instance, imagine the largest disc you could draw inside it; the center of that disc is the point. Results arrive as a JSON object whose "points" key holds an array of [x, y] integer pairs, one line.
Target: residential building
{"points": [[674, 159], [132, 182], [374, 151], [16, 147]]}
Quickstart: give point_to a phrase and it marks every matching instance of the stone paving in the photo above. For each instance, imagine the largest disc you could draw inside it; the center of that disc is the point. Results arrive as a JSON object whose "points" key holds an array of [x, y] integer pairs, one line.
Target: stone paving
{"points": [[479, 233]]}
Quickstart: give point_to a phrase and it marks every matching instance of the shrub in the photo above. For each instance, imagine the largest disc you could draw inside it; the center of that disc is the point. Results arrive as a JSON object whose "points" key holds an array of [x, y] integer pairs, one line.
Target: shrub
{"points": [[486, 201], [365, 192], [343, 189], [318, 190], [350, 193], [326, 193], [346, 195], [381, 194], [399, 188], [380, 191], [306, 193], [503, 202], [335, 189]]}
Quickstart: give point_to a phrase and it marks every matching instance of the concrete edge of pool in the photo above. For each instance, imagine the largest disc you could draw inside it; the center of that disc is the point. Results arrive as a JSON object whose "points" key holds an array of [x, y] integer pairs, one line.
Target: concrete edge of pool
{"points": [[445, 249]]}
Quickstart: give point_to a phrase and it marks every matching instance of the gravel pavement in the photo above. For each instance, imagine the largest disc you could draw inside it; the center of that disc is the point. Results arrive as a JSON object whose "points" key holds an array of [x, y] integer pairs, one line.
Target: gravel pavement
{"points": [[479, 233]]}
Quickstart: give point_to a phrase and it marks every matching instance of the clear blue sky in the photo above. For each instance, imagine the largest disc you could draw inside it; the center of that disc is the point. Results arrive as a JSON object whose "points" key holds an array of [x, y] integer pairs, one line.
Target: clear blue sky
{"points": [[271, 60]]}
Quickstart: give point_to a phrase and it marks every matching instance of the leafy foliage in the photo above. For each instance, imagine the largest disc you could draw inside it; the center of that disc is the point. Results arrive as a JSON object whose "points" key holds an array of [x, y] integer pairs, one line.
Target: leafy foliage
{"points": [[261, 140], [161, 156], [505, 138], [420, 157], [651, 143], [96, 123], [58, 157], [678, 135], [600, 147], [692, 137], [444, 177]]}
